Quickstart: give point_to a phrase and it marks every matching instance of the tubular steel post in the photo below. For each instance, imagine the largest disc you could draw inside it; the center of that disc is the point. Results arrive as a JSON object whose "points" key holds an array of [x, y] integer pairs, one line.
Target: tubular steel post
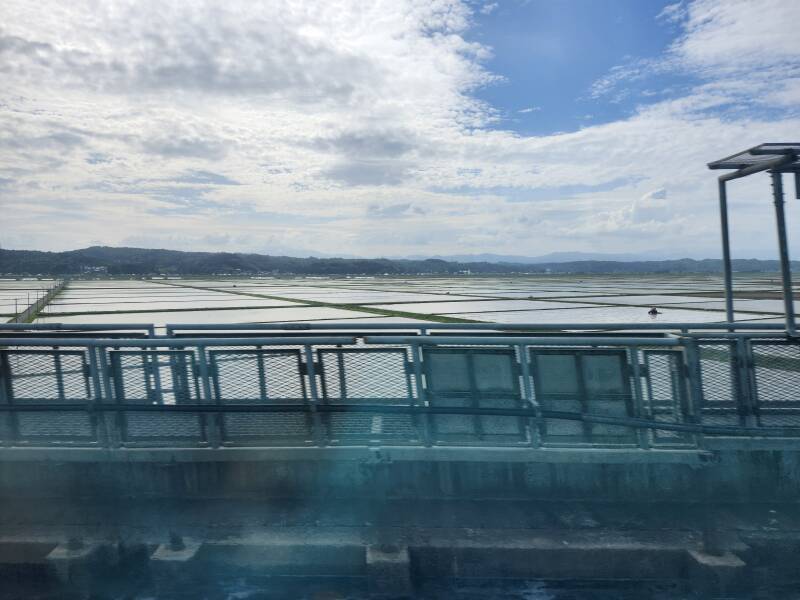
{"points": [[112, 422], [6, 397], [214, 431], [313, 392], [642, 411], [743, 397], [694, 383], [97, 398], [533, 428], [786, 268], [797, 184], [416, 356], [726, 250]]}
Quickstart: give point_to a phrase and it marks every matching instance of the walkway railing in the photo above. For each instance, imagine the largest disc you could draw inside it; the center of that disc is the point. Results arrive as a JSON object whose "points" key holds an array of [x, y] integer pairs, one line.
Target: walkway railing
{"points": [[295, 385]]}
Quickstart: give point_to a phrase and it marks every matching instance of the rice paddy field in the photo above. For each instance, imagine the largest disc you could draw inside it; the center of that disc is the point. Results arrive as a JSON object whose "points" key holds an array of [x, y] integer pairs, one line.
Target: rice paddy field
{"points": [[519, 299]]}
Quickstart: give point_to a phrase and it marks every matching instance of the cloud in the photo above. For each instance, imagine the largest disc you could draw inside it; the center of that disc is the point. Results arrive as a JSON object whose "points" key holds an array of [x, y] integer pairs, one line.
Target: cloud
{"points": [[673, 13], [368, 172], [744, 49], [386, 144], [391, 211], [97, 158], [657, 194], [185, 147], [529, 109], [205, 177], [357, 125]]}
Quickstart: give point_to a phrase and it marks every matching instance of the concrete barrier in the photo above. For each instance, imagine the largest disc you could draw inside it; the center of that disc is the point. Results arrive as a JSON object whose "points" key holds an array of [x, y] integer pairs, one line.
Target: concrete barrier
{"points": [[732, 476]]}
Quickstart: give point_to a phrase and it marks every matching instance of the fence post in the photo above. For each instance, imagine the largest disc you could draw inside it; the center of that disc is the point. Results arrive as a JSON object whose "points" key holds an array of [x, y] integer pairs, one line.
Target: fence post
{"points": [[694, 386], [318, 427], [113, 421], [214, 428], [744, 400], [532, 425], [103, 437], [7, 397], [416, 361], [642, 435]]}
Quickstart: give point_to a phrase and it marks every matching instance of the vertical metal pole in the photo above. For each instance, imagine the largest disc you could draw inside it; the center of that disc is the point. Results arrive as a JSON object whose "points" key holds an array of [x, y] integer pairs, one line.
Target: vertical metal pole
{"points": [[416, 357], [692, 409], [786, 268], [262, 375], [97, 397], [111, 421], [642, 411], [726, 251], [215, 426], [744, 400], [6, 397], [533, 427], [316, 419], [59, 374], [797, 184]]}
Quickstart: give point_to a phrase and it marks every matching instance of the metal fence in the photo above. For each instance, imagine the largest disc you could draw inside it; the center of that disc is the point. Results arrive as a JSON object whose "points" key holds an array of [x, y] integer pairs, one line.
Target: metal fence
{"points": [[492, 385]]}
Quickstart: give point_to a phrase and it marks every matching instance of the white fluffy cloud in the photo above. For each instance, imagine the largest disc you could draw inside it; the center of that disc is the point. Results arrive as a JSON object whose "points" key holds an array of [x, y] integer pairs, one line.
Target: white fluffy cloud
{"points": [[349, 127]]}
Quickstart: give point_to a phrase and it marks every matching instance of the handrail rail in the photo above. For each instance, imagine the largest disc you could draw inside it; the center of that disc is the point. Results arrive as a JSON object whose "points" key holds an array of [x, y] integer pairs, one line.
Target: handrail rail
{"points": [[470, 326], [409, 409], [568, 340], [165, 342]]}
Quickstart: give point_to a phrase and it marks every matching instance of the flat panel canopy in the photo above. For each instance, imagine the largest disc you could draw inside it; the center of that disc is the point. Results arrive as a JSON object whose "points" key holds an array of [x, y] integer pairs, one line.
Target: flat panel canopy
{"points": [[761, 154]]}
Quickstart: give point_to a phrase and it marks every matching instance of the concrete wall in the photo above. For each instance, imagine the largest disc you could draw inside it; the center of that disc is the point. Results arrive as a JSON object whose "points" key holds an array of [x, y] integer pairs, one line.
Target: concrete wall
{"points": [[727, 475]]}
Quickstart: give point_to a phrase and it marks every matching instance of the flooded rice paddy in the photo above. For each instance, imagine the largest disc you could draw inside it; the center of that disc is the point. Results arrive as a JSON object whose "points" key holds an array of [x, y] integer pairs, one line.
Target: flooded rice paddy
{"points": [[542, 299]]}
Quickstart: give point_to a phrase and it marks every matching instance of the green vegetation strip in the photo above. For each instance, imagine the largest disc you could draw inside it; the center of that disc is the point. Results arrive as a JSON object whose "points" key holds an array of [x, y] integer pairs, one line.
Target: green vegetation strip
{"points": [[352, 307]]}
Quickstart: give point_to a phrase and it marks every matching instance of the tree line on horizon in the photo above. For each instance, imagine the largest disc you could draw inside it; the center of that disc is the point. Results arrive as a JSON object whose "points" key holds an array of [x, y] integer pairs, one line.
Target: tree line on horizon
{"points": [[146, 262]]}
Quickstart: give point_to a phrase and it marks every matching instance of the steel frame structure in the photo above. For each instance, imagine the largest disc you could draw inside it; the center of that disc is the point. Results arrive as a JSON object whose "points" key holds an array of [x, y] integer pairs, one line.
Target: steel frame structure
{"points": [[777, 159]]}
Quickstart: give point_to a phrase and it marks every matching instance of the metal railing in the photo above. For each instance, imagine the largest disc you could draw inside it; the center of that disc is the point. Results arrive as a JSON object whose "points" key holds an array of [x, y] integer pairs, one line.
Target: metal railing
{"points": [[295, 385]]}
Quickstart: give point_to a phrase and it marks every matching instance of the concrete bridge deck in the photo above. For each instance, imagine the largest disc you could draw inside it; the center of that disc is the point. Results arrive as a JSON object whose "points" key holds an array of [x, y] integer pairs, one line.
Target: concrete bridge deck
{"points": [[428, 540]]}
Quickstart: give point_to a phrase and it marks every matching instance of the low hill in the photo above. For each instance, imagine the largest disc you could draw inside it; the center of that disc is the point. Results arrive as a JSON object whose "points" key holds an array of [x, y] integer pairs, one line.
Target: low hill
{"points": [[142, 262]]}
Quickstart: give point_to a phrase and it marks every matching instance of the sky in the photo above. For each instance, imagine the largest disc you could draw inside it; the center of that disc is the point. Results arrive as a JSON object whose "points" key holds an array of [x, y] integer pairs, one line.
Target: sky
{"points": [[393, 128]]}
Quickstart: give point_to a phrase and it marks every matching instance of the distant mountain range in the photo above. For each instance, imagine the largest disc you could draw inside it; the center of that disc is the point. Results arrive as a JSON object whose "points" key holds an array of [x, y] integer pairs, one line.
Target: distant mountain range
{"points": [[104, 260], [553, 257]]}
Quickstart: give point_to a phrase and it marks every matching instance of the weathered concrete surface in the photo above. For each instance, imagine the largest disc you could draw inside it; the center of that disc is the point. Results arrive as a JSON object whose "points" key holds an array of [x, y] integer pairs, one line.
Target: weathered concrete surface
{"points": [[732, 475], [389, 571], [404, 541], [170, 554], [74, 561], [717, 574]]}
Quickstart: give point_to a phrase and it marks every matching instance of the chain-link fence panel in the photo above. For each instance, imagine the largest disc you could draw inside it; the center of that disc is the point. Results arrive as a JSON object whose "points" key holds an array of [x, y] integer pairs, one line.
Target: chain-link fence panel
{"points": [[267, 377], [47, 377], [666, 395], [162, 377], [378, 376], [722, 387], [776, 375], [479, 378], [583, 381]]}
